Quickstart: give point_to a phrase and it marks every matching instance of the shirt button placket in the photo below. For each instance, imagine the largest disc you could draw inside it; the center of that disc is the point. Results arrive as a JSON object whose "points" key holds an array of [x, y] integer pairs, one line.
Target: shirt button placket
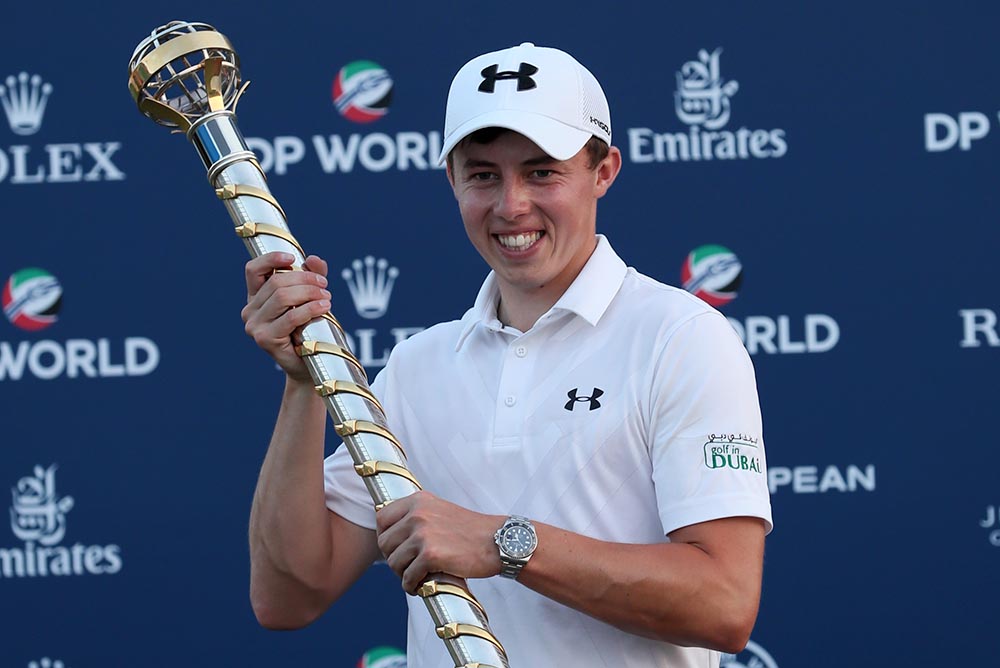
{"points": [[508, 421]]}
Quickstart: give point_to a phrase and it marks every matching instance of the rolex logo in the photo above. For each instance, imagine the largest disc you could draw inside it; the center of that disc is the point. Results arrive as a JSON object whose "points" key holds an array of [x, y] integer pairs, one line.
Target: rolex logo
{"points": [[370, 283], [23, 100]]}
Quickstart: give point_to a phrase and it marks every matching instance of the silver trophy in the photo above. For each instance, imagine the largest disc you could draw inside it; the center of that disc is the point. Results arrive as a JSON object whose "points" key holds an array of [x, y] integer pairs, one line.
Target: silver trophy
{"points": [[186, 76]]}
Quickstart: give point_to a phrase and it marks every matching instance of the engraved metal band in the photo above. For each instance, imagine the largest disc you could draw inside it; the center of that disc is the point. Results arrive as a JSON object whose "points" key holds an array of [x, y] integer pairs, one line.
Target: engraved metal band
{"points": [[456, 629], [354, 427], [376, 466], [248, 230], [434, 588], [330, 387], [235, 190], [310, 348], [218, 167]]}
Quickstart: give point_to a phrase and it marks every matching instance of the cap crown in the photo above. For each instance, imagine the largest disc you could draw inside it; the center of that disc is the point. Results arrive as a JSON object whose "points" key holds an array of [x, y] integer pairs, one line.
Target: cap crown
{"points": [[541, 92]]}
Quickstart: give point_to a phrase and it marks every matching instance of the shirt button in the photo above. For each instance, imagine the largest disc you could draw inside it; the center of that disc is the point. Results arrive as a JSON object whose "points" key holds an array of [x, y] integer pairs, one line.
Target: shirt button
{"points": [[520, 351], [510, 401]]}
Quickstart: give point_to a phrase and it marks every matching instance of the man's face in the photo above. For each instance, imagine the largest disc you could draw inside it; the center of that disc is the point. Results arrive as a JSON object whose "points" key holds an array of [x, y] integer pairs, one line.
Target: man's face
{"points": [[531, 217]]}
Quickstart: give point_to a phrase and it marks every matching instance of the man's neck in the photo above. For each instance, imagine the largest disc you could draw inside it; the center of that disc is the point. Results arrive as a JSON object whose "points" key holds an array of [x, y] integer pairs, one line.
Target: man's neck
{"points": [[521, 311], [521, 307]]}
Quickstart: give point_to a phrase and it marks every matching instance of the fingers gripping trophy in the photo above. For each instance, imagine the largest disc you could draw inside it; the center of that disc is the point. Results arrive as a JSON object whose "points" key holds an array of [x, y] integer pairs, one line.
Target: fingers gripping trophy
{"points": [[186, 76]]}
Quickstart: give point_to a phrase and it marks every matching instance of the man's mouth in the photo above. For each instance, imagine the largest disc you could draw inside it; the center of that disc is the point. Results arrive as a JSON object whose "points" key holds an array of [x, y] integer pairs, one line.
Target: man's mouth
{"points": [[519, 242]]}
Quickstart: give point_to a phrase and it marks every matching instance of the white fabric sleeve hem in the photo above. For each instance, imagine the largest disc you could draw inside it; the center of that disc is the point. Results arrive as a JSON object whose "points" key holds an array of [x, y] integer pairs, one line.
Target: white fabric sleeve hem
{"points": [[346, 494], [716, 508]]}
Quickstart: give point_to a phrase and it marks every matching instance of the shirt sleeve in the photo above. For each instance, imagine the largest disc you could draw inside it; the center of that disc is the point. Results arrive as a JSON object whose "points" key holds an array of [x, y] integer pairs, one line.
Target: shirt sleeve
{"points": [[346, 493], [706, 445]]}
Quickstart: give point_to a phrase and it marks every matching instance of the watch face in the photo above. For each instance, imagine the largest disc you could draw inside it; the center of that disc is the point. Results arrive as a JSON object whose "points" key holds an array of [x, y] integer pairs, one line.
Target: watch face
{"points": [[518, 541]]}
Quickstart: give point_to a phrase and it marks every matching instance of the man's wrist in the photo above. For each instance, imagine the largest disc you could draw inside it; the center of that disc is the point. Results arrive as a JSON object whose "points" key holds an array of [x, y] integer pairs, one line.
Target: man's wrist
{"points": [[301, 390]]}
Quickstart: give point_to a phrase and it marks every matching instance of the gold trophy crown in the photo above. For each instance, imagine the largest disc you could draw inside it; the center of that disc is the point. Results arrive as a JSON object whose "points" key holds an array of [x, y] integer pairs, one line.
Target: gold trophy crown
{"points": [[182, 72]]}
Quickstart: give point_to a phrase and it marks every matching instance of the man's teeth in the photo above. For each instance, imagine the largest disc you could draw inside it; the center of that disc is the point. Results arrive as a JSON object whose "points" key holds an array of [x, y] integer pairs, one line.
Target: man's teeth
{"points": [[519, 241]]}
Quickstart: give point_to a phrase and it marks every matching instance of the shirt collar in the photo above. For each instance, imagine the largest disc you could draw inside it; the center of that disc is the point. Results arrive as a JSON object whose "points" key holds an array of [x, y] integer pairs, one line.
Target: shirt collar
{"points": [[588, 296]]}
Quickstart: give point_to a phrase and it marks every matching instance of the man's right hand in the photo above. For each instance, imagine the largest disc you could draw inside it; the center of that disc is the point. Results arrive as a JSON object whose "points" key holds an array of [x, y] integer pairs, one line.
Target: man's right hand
{"points": [[279, 303]]}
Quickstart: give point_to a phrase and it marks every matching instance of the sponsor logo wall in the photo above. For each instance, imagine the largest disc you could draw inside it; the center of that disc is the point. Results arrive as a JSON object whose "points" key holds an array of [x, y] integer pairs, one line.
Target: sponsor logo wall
{"points": [[979, 328], [944, 132], [362, 94], [838, 213], [370, 283], [703, 102], [38, 518], [46, 662], [992, 524], [714, 274], [32, 299], [382, 657], [24, 99]]}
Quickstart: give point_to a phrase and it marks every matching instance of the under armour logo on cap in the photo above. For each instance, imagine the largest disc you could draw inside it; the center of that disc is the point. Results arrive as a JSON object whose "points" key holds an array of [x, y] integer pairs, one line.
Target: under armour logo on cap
{"points": [[523, 76], [573, 399]]}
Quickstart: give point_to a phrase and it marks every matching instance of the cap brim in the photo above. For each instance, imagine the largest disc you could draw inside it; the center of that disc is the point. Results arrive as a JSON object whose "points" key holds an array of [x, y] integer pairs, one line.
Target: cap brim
{"points": [[557, 139]]}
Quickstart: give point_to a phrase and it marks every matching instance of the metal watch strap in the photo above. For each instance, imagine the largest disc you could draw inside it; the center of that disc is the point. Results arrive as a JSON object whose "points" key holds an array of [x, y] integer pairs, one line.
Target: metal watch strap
{"points": [[510, 569]]}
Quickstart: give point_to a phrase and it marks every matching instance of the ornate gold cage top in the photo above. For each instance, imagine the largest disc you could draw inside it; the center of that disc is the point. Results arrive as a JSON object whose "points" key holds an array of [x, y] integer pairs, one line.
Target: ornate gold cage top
{"points": [[182, 72]]}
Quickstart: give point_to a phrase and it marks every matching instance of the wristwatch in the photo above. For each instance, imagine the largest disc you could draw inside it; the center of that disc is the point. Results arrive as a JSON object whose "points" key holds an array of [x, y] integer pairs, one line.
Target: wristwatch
{"points": [[517, 542]]}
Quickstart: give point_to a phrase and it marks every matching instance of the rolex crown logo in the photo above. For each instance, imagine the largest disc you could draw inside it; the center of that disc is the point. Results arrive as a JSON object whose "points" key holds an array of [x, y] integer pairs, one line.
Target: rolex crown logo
{"points": [[370, 283], [23, 98]]}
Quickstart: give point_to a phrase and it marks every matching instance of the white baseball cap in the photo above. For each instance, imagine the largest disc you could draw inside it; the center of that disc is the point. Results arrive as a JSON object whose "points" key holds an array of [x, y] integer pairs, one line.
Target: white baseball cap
{"points": [[539, 92]]}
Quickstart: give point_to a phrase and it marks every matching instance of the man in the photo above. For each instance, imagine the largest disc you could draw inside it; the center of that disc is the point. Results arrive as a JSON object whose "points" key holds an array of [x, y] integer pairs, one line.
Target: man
{"points": [[608, 419]]}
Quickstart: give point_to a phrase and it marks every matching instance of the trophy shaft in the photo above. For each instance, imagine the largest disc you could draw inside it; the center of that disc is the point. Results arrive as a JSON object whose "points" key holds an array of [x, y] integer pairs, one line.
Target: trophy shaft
{"points": [[358, 417], [233, 169]]}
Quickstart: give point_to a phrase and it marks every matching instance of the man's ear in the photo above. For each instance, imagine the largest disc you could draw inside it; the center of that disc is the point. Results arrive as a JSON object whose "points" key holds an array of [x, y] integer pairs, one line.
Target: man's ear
{"points": [[607, 171]]}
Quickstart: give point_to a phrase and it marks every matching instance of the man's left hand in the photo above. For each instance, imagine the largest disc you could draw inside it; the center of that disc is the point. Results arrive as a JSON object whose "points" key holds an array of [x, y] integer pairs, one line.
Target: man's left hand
{"points": [[421, 534]]}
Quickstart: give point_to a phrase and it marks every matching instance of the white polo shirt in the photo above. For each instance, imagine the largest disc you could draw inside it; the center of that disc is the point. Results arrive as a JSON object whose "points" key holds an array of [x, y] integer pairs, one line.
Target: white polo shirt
{"points": [[627, 411]]}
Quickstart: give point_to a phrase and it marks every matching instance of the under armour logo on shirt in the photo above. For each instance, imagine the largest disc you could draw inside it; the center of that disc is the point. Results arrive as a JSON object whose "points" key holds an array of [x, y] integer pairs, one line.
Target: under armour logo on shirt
{"points": [[523, 76], [573, 399]]}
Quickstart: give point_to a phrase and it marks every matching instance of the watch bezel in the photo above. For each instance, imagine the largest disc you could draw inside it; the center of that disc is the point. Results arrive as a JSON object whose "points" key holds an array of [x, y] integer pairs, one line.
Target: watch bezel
{"points": [[517, 553]]}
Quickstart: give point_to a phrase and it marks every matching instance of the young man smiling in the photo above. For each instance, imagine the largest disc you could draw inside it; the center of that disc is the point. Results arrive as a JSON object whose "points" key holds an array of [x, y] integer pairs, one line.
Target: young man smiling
{"points": [[532, 217], [579, 432]]}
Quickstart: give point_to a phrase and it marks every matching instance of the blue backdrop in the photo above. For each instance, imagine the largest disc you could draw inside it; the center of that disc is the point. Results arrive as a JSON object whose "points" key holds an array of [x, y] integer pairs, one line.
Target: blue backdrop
{"points": [[837, 159]]}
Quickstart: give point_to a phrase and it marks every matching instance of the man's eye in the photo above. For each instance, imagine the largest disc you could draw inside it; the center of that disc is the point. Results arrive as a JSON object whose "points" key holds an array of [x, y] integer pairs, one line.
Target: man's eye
{"points": [[482, 176], [543, 173]]}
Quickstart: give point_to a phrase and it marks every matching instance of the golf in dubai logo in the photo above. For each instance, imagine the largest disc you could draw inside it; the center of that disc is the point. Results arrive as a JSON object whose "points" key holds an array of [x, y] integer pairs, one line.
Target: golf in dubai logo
{"points": [[713, 273], [362, 91], [383, 657], [32, 298]]}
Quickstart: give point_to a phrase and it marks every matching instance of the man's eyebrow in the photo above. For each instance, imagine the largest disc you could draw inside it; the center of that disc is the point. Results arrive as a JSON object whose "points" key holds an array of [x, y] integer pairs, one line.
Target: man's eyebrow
{"points": [[543, 159], [475, 164]]}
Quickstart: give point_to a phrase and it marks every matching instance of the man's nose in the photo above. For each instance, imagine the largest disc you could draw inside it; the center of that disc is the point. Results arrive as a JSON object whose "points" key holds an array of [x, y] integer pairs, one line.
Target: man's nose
{"points": [[513, 200]]}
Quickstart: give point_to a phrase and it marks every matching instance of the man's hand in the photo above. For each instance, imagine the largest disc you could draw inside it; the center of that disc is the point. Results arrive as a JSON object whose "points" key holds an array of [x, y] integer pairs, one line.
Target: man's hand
{"points": [[421, 534], [278, 303]]}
